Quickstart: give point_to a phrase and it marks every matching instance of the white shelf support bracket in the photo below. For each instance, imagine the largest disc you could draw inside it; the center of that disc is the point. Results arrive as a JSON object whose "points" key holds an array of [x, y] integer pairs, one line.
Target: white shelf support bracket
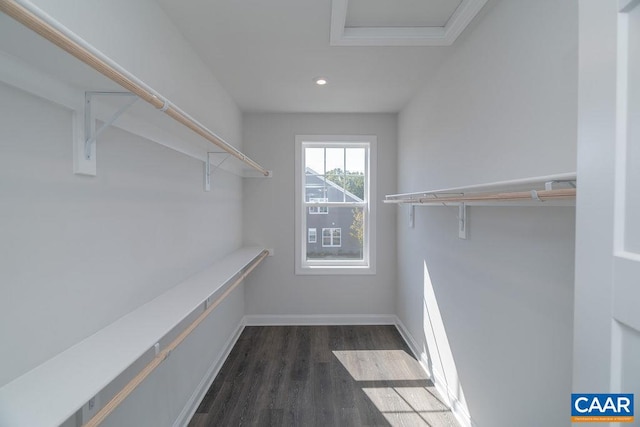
{"points": [[412, 216], [534, 196], [208, 170], [462, 221], [84, 149], [90, 408], [548, 186], [207, 173]]}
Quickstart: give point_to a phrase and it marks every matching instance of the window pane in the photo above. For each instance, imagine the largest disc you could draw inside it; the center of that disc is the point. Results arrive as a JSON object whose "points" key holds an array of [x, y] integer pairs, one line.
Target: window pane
{"points": [[336, 241], [335, 159], [314, 160], [315, 188], [334, 186], [342, 235], [354, 186], [326, 237], [355, 160]]}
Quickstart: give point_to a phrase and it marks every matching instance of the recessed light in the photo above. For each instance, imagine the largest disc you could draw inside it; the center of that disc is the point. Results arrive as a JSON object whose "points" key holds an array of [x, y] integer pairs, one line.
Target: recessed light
{"points": [[320, 81]]}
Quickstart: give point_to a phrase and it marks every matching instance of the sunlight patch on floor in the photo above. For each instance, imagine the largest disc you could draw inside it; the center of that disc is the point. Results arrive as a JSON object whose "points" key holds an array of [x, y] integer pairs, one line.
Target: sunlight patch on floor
{"points": [[397, 385], [381, 365], [409, 406]]}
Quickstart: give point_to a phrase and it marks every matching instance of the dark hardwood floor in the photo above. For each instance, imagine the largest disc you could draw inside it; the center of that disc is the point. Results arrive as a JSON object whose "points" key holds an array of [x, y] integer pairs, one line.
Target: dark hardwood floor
{"points": [[321, 376]]}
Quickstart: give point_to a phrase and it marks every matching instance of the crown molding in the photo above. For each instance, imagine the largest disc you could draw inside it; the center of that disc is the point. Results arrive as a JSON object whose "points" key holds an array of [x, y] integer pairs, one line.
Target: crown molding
{"points": [[341, 35]]}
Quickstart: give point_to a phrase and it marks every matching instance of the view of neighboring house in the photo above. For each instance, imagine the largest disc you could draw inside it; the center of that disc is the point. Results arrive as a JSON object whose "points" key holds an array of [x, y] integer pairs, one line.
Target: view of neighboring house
{"points": [[330, 230]]}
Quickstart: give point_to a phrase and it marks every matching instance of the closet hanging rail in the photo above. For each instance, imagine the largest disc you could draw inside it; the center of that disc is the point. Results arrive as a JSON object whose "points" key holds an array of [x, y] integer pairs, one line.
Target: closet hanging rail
{"points": [[519, 190], [40, 22], [514, 196], [554, 189]]}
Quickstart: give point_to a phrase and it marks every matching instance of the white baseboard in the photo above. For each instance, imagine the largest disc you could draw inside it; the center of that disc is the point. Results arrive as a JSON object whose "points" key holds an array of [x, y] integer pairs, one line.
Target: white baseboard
{"points": [[319, 319], [457, 408], [192, 404], [408, 338]]}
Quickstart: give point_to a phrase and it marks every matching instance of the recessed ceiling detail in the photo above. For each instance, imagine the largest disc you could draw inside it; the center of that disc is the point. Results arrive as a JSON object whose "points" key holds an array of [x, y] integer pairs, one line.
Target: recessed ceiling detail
{"points": [[379, 23]]}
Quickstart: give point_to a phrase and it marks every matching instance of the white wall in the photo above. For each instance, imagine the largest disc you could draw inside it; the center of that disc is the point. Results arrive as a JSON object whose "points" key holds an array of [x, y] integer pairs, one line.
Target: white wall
{"points": [[140, 37], [503, 106], [268, 220], [78, 252]]}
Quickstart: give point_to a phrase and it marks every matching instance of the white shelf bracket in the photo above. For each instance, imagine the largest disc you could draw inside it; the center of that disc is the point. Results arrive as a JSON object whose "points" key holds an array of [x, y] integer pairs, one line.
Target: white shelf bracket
{"points": [[208, 170], [535, 196], [90, 408], [84, 150], [462, 221], [412, 216], [548, 186]]}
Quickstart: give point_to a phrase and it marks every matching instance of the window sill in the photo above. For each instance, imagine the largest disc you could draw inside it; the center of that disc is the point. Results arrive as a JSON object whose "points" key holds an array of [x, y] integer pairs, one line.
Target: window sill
{"points": [[350, 270]]}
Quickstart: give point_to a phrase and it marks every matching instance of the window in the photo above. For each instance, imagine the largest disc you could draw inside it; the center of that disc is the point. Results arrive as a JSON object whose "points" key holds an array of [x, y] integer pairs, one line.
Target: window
{"points": [[335, 187], [331, 237], [314, 210]]}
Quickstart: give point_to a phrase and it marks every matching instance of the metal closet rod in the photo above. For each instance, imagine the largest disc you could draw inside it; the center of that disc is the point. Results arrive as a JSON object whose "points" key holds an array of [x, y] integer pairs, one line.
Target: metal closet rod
{"points": [[515, 196], [40, 22], [486, 187]]}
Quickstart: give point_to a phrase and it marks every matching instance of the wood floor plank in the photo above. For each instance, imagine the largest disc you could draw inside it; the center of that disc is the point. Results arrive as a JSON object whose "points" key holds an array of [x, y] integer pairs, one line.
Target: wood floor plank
{"points": [[320, 344], [300, 370], [270, 417], [321, 376], [221, 405], [322, 395], [348, 417], [198, 420], [248, 405]]}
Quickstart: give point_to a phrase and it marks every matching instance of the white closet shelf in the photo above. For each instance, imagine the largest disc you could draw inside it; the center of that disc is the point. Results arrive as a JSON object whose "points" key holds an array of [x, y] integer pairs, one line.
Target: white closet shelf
{"points": [[548, 190], [55, 390], [559, 189], [63, 74]]}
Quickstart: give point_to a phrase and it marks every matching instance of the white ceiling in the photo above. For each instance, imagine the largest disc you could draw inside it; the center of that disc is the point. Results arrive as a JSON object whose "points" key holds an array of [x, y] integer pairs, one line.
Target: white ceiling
{"points": [[267, 53]]}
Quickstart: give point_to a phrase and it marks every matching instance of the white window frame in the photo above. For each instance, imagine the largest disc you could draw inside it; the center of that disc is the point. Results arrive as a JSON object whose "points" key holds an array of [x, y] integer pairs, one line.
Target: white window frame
{"points": [[332, 244], [347, 267], [312, 232]]}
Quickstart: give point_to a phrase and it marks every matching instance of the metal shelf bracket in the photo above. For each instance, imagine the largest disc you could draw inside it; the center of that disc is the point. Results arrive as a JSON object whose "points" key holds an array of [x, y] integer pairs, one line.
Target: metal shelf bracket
{"points": [[210, 167], [208, 170], [412, 216], [548, 186], [462, 221], [85, 153]]}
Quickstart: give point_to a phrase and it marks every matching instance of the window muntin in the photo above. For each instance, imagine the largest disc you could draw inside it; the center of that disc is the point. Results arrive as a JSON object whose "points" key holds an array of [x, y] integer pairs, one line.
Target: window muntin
{"points": [[333, 178]]}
